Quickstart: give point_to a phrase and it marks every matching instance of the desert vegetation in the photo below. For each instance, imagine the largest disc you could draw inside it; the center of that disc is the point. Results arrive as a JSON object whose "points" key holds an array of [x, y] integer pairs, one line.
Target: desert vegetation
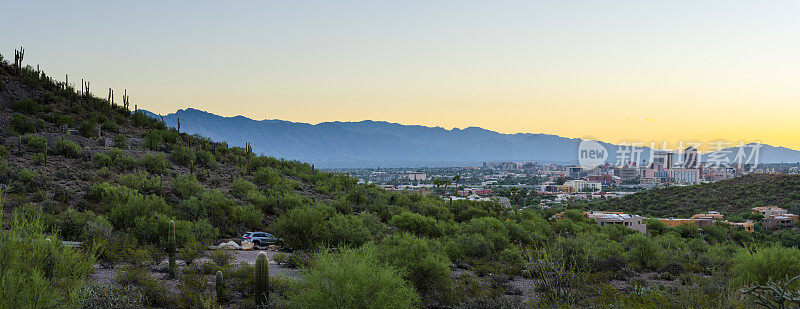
{"points": [[146, 201]]}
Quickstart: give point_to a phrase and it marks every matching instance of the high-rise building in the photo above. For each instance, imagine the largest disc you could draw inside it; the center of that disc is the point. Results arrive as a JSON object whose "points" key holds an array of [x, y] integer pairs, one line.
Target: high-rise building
{"points": [[666, 158], [691, 158]]}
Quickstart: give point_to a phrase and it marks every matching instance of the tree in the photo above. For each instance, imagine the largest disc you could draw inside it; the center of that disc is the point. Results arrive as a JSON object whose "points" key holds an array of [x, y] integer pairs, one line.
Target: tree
{"points": [[456, 179]]}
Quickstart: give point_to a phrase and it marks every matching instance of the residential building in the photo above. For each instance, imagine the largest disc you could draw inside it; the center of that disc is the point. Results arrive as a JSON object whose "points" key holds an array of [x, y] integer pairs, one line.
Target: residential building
{"points": [[633, 222], [780, 221], [583, 185], [681, 175], [770, 211], [416, 176]]}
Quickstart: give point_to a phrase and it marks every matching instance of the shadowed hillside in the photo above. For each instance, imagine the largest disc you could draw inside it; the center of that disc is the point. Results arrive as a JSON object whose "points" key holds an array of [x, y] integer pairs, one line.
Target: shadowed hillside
{"points": [[732, 196]]}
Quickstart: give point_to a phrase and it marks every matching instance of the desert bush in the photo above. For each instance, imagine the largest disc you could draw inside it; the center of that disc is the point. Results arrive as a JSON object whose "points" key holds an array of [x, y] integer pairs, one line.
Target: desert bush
{"points": [[27, 106], [246, 216], [109, 126], [34, 143], [36, 271], [420, 261], [643, 252], [186, 185], [266, 176], [206, 159], [153, 140], [191, 250], [239, 188], [352, 278], [67, 149], [101, 159], [142, 182], [39, 159], [182, 155], [21, 124], [559, 275], [101, 296], [347, 230], [221, 257], [303, 227], [88, 128], [155, 163], [65, 120], [416, 224], [760, 265], [121, 141], [156, 294]]}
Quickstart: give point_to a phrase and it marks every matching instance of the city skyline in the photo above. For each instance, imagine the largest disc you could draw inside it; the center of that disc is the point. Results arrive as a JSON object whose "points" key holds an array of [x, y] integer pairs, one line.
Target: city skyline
{"points": [[616, 71]]}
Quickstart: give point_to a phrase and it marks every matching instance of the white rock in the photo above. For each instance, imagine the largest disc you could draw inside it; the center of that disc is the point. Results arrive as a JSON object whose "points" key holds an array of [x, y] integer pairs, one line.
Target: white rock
{"points": [[246, 245]]}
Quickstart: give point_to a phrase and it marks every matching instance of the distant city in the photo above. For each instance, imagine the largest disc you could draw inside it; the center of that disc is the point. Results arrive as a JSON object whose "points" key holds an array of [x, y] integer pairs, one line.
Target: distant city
{"points": [[554, 183]]}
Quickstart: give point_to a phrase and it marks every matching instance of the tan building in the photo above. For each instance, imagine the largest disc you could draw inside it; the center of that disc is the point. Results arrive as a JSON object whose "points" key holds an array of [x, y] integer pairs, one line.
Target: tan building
{"points": [[770, 211], [780, 221], [634, 222]]}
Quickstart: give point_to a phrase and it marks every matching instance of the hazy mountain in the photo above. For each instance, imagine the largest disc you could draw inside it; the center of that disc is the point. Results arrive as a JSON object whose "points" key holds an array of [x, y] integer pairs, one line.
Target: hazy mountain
{"points": [[379, 143]]}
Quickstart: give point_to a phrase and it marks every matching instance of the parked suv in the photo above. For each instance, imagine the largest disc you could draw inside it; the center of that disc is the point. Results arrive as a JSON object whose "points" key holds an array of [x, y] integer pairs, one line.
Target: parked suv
{"points": [[261, 238]]}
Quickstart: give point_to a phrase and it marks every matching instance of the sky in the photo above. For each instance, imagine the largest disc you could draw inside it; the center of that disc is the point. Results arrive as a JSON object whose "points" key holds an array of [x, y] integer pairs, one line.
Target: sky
{"points": [[617, 71]]}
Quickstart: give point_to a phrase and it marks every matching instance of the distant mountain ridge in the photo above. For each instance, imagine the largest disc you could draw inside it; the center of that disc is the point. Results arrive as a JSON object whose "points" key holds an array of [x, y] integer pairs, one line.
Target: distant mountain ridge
{"points": [[383, 144]]}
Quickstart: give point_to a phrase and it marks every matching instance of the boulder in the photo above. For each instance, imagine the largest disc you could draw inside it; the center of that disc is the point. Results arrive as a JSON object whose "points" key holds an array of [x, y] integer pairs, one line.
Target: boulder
{"points": [[231, 245], [246, 245], [272, 248]]}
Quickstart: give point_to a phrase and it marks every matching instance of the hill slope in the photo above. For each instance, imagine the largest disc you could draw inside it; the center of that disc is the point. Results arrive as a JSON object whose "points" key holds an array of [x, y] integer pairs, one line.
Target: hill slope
{"points": [[732, 196]]}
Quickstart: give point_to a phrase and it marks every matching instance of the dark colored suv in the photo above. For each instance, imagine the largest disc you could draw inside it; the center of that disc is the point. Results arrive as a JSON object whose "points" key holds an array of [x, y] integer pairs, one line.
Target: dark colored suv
{"points": [[260, 238]]}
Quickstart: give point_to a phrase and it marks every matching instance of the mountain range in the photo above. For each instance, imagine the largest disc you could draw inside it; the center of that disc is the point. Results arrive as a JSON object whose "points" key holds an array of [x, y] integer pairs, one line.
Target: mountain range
{"points": [[383, 144]]}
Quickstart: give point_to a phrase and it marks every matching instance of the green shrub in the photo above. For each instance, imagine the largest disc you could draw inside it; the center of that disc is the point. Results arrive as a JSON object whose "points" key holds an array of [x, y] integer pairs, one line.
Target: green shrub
{"points": [[266, 176], [221, 257], [764, 264], [347, 230], [35, 143], [423, 266], [156, 294], [21, 124], [417, 224], [182, 155], [101, 159], [186, 185], [88, 128], [643, 252], [102, 296], [142, 182], [65, 120], [240, 188], [352, 278], [39, 159], [67, 149], [191, 251], [155, 163], [121, 141], [39, 273], [303, 227], [205, 158], [109, 126], [27, 106]]}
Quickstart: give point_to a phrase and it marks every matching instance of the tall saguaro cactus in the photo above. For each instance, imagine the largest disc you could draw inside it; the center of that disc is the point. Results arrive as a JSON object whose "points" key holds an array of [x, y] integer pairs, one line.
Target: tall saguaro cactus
{"points": [[171, 247], [19, 54], [220, 287], [262, 280]]}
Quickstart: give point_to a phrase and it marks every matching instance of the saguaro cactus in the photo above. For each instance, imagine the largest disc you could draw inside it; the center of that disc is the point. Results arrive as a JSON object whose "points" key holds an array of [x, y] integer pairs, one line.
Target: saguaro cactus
{"points": [[171, 247], [220, 286], [262, 280]]}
